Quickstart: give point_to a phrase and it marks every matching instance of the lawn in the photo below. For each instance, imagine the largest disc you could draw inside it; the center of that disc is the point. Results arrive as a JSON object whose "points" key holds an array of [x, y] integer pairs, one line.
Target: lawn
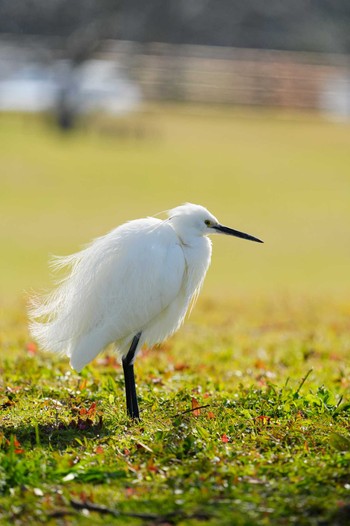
{"points": [[246, 410]]}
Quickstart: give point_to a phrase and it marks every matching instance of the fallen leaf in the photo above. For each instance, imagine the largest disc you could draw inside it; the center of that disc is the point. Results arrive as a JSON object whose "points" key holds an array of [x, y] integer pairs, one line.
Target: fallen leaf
{"points": [[109, 361], [152, 467], [32, 348], [83, 384], [92, 409], [129, 492], [17, 447], [260, 364], [195, 404], [7, 403], [180, 367], [263, 419]]}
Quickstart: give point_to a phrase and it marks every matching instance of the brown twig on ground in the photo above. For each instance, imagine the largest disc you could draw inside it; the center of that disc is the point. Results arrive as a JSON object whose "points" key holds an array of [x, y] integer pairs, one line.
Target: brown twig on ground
{"points": [[171, 517]]}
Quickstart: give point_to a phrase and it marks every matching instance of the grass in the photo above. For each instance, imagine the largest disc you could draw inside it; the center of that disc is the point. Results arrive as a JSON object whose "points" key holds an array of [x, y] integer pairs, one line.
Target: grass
{"points": [[271, 444], [245, 411]]}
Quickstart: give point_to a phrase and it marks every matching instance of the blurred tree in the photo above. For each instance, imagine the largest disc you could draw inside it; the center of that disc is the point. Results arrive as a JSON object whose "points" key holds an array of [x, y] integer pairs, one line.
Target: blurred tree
{"points": [[309, 25], [83, 23]]}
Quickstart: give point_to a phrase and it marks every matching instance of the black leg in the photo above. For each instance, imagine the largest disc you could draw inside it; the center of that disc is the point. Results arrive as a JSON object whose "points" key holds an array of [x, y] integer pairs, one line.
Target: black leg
{"points": [[130, 388]]}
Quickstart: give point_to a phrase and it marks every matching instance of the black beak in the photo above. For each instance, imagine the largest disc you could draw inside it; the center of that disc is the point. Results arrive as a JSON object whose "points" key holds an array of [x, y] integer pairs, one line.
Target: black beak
{"points": [[231, 232]]}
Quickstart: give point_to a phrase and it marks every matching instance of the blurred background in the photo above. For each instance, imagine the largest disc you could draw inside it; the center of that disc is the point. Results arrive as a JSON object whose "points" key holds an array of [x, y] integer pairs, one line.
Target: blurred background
{"points": [[113, 110]]}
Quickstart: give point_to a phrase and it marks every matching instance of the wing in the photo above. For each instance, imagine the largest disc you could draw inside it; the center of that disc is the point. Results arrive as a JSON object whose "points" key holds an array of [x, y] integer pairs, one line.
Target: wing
{"points": [[144, 275]]}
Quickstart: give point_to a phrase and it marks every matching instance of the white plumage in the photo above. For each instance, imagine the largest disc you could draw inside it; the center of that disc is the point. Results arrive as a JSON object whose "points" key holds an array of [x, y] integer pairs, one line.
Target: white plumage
{"points": [[139, 278]]}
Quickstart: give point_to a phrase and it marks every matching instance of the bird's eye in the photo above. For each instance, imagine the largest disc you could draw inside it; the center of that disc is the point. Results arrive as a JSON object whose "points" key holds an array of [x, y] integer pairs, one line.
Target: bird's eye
{"points": [[207, 222]]}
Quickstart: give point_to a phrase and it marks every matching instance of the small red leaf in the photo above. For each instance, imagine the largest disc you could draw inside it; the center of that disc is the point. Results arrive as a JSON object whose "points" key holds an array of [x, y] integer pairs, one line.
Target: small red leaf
{"points": [[109, 361], [180, 367], [17, 447], [129, 492], [195, 404], [92, 409], [225, 438], [260, 364], [32, 348], [152, 467]]}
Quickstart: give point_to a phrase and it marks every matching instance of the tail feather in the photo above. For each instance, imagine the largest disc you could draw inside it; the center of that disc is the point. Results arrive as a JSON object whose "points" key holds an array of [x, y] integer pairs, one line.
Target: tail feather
{"points": [[88, 348], [59, 318]]}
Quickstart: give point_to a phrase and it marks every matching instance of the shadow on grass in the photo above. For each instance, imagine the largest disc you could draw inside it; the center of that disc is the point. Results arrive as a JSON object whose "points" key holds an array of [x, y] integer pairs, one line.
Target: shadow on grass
{"points": [[57, 435]]}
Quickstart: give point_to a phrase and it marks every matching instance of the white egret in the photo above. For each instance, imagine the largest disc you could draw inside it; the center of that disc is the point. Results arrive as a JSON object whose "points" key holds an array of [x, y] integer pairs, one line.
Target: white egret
{"points": [[131, 287]]}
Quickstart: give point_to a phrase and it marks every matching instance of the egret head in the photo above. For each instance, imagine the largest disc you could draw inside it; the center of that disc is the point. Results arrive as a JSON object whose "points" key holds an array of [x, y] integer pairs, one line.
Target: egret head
{"points": [[195, 220]]}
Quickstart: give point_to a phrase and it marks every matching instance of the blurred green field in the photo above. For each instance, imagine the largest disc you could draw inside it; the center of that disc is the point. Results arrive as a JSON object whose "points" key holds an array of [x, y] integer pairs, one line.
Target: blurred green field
{"points": [[282, 177]]}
